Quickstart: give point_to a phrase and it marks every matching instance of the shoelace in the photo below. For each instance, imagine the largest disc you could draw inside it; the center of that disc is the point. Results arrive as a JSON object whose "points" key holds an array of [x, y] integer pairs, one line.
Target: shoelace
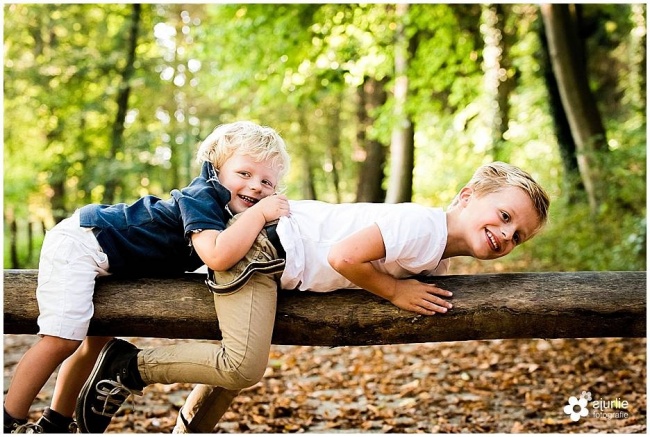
{"points": [[73, 428], [112, 394], [28, 428]]}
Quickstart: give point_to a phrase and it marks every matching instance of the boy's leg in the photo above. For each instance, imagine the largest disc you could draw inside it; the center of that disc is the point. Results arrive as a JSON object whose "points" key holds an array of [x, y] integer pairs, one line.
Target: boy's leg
{"points": [[203, 408], [247, 346], [70, 261], [73, 373], [246, 321], [33, 371]]}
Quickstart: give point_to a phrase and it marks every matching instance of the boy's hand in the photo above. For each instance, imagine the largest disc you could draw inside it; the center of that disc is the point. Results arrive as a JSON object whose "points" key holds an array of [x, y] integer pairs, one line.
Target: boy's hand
{"points": [[421, 298], [273, 207]]}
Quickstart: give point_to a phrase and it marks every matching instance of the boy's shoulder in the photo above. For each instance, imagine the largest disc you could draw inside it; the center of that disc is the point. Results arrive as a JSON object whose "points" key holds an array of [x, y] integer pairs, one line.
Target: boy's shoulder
{"points": [[416, 211], [205, 186], [415, 214]]}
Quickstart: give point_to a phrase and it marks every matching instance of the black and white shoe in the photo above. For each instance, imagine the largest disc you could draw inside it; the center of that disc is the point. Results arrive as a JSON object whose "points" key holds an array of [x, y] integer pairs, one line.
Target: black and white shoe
{"points": [[50, 425], [110, 384]]}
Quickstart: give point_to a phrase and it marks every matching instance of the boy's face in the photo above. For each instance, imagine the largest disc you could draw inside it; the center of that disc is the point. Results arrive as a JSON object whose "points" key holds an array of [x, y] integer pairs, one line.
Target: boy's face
{"points": [[247, 180], [495, 223]]}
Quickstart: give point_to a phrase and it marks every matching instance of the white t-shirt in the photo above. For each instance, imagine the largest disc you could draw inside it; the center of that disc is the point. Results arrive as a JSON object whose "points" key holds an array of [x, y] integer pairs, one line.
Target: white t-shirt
{"points": [[414, 237]]}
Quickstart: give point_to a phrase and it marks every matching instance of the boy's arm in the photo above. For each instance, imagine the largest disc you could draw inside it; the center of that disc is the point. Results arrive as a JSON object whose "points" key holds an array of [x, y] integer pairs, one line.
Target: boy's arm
{"points": [[220, 250], [351, 257]]}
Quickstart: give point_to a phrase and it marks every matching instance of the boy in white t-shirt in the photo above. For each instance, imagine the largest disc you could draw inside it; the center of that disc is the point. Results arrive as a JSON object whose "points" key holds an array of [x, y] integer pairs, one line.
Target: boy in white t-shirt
{"points": [[376, 247]]}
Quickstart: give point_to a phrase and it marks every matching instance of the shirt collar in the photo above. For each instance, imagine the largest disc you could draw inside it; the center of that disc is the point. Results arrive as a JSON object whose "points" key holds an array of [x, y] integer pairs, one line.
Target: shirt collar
{"points": [[210, 174]]}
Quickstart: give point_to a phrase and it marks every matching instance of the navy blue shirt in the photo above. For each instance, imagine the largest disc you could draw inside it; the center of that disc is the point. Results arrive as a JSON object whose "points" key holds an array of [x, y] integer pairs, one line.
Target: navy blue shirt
{"points": [[151, 237]]}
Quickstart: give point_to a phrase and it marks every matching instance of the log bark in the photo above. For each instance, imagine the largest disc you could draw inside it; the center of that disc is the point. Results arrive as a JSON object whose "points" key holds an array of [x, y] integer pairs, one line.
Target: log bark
{"points": [[488, 306]]}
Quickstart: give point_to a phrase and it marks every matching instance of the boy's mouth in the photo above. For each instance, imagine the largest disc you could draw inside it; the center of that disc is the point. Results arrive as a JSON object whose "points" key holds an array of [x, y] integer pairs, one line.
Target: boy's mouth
{"points": [[247, 199], [494, 243]]}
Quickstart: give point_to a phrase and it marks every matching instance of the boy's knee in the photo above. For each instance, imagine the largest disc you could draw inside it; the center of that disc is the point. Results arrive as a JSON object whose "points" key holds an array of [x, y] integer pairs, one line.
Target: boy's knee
{"points": [[60, 347], [245, 375]]}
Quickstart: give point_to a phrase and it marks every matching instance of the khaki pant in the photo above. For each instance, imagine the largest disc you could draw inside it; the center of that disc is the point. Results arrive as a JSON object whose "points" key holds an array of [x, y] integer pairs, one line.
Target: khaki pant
{"points": [[246, 320]]}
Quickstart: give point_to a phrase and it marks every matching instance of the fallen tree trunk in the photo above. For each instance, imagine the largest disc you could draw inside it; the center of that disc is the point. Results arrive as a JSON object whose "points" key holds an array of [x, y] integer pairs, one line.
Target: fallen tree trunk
{"points": [[488, 306]]}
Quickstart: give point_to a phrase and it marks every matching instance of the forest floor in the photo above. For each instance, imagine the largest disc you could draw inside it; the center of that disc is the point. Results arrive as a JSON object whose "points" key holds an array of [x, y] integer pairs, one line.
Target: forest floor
{"points": [[505, 386]]}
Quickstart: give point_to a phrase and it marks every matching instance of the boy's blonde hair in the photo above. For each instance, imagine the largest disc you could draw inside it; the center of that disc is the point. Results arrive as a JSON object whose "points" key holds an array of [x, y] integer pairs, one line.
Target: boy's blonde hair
{"points": [[246, 138], [493, 177]]}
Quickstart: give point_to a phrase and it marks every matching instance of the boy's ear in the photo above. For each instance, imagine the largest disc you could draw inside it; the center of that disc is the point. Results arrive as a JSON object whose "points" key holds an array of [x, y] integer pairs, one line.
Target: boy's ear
{"points": [[464, 195]]}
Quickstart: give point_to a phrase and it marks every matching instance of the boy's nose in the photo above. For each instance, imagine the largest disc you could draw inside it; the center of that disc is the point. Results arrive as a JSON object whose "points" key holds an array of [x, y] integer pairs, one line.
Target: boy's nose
{"points": [[507, 232]]}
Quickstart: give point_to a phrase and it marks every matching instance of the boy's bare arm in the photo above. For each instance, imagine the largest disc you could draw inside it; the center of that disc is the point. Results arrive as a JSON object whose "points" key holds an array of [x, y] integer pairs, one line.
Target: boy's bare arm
{"points": [[351, 257], [221, 250]]}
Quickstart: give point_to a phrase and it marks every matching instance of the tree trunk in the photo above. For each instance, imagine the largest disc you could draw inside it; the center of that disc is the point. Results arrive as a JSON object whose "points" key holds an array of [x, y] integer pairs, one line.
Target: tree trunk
{"points": [[307, 185], [578, 101], [490, 306], [122, 101], [371, 169], [13, 242], [334, 148], [400, 182], [636, 92], [30, 241], [566, 145], [500, 79], [57, 186]]}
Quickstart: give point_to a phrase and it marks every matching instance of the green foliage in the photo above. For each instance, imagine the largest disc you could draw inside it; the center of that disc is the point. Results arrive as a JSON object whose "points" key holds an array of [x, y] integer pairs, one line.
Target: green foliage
{"points": [[575, 241], [298, 68]]}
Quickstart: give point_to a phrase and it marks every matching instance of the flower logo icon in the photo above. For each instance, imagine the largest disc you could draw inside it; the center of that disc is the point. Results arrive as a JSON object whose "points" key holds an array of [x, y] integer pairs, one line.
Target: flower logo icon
{"points": [[576, 404]]}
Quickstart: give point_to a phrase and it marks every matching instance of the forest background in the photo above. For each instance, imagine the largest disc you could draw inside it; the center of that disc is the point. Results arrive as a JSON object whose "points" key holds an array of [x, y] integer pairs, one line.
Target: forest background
{"points": [[105, 103]]}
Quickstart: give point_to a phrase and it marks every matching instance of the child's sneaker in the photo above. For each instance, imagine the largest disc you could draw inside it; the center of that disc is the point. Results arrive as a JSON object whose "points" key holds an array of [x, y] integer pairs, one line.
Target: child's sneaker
{"points": [[52, 426], [42, 426], [11, 425], [110, 384], [27, 428], [14, 426]]}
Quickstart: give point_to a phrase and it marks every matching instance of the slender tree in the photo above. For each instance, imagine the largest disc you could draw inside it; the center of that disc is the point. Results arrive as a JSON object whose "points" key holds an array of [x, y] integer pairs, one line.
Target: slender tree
{"points": [[499, 75], [566, 145], [638, 57], [122, 101], [402, 145], [579, 103], [371, 95]]}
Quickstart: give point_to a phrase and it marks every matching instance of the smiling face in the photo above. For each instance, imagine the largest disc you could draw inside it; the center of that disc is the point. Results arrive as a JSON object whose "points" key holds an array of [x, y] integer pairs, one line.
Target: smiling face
{"points": [[492, 225], [247, 180]]}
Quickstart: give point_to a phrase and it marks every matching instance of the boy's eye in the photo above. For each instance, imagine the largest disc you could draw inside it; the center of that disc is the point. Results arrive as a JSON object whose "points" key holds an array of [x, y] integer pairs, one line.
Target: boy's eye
{"points": [[244, 173], [516, 238], [505, 216], [268, 183]]}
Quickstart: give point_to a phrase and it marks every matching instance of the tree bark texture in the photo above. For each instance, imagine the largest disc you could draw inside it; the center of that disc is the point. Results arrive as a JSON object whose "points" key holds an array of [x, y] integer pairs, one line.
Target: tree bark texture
{"points": [[402, 143], [566, 144], [122, 101], [371, 168], [499, 76], [578, 101], [638, 57], [488, 306]]}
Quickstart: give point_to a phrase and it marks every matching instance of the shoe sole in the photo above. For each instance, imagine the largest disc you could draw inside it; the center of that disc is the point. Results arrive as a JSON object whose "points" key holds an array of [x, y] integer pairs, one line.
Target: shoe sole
{"points": [[87, 388]]}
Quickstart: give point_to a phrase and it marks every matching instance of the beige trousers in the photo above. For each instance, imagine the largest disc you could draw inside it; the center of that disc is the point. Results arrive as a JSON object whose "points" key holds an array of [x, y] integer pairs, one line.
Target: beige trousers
{"points": [[246, 320]]}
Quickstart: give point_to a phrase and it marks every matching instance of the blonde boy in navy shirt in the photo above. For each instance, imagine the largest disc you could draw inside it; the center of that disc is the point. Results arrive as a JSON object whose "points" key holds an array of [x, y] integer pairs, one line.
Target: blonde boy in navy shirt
{"points": [[242, 166]]}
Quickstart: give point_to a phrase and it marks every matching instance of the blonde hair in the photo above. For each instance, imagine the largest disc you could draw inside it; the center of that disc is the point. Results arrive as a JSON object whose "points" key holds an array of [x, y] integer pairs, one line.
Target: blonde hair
{"points": [[262, 143], [493, 177]]}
